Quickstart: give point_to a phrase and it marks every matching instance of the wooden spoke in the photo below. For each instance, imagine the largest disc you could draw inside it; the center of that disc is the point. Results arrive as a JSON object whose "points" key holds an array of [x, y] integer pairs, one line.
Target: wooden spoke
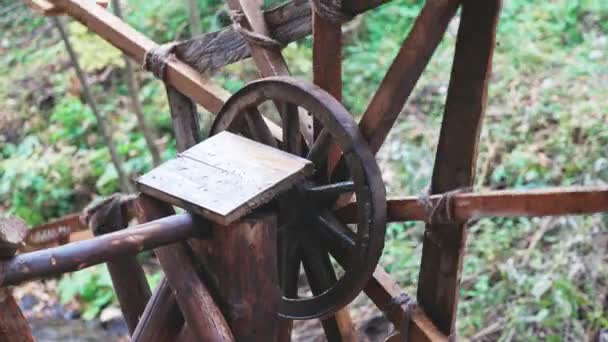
{"points": [[501, 203], [403, 74], [456, 157]]}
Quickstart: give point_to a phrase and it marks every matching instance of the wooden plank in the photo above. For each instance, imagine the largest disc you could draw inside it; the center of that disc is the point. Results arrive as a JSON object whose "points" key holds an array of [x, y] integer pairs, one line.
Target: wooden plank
{"points": [[52, 233], [287, 23], [201, 314], [455, 162], [241, 262], [500, 203], [82, 254], [128, 277], [225, 177]]}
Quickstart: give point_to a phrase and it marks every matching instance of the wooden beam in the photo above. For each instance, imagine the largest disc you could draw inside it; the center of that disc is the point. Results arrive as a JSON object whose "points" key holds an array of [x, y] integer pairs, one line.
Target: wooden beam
{"points": [[82, 254], [455, 162], [500, 203]]}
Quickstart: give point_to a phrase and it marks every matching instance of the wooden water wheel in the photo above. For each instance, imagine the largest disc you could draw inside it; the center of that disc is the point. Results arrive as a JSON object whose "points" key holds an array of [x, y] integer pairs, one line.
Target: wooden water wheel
{"points": [[337, 215]]}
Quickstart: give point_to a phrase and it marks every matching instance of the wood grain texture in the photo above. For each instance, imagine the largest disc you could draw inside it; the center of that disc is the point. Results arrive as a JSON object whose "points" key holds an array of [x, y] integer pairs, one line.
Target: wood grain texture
{"points": [[82, 254], [455, 162], [500, 203], [225, 177], [241, 263], [162, 319], [128, 277], [13, 325], [203, 317], [401, 77]]}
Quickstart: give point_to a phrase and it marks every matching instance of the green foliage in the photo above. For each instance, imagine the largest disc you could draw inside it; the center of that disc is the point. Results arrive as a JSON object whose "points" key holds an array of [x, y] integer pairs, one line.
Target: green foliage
{"points": [[36, 182], [92, 287], [72, 120]]}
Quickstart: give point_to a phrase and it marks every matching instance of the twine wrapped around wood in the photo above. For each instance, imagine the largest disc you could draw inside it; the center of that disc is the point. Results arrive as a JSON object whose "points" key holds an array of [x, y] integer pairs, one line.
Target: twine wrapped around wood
{"points": [[253, 37], [441, 211], [156, 59]]}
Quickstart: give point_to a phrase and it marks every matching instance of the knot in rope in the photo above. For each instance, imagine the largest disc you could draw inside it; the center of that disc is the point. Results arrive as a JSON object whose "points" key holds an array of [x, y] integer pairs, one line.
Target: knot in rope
{"points": [[440, 211]]}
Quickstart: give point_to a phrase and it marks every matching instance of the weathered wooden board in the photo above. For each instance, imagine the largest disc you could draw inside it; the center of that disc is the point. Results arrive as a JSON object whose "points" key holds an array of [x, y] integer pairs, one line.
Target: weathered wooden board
{"points": [[224, 177]]}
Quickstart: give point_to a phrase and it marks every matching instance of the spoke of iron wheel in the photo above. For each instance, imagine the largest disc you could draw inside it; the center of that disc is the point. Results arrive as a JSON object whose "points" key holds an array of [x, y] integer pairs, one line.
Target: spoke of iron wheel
{"points": [[330, 191], [292, 139], [338, 238], [321, 276], [289, 263], [318, 154], [258, 128]]}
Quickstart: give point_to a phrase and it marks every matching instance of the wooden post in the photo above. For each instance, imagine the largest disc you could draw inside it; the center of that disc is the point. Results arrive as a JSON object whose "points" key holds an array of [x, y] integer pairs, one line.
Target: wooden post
{"points": [[128, 276], [200, 312], [455, 161], [240, 260], [13, 325]]}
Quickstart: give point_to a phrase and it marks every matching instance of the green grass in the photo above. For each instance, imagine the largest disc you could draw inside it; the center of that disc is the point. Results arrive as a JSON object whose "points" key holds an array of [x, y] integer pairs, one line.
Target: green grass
{"points": [[546, 125]]}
